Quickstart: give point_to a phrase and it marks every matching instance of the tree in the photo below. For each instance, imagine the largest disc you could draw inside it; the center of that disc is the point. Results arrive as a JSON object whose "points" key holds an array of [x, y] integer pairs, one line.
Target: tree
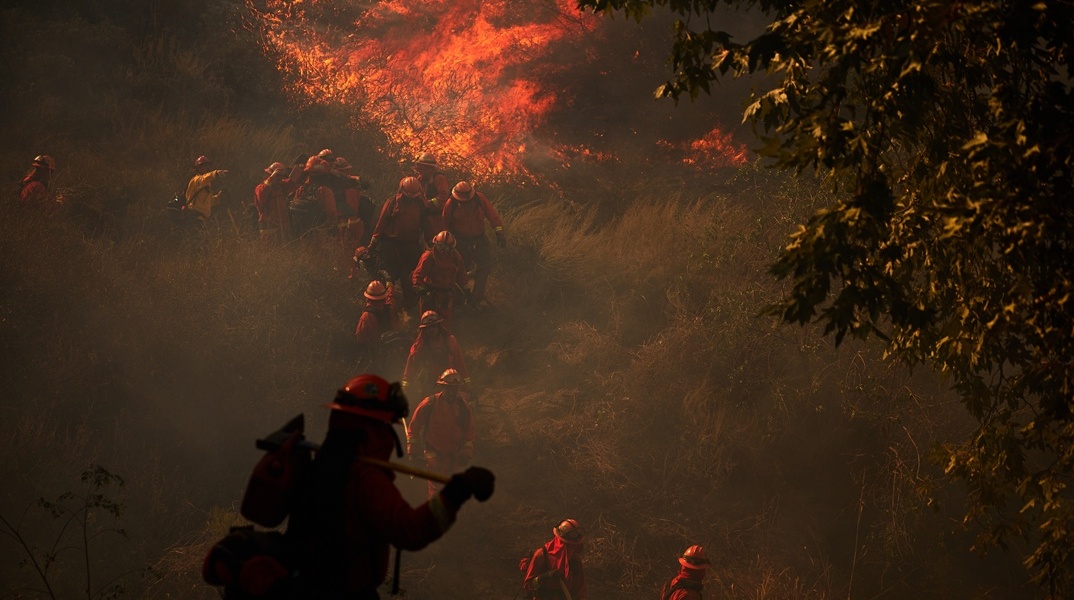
{"points": [[945, 132]]}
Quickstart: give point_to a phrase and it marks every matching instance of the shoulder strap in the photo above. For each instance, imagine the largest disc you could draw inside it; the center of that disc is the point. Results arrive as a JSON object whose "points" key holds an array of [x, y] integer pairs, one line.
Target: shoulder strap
{"points": [[683, 584]]}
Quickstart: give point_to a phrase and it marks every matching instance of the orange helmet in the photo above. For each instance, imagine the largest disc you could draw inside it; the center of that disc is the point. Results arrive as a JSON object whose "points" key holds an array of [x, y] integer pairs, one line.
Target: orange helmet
{"points": [[276, 166], [316, 164], [430, 318], [410, 186], [202, 160], [569, 532], [449, 377], [695, 558], [462, 191], [44, 161], [327, 155], [428, 159], [372, 396], [444, 238], [376, 290], [341, 164]]}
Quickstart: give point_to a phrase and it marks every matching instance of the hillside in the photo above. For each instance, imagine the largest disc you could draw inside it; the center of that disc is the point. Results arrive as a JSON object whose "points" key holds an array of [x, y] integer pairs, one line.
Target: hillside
{"points": [[625, 378]]}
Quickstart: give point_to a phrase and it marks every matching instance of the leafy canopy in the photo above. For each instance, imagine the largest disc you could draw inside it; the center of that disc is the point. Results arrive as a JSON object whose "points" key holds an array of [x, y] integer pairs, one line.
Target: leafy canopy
{"points": [[945, 129]]}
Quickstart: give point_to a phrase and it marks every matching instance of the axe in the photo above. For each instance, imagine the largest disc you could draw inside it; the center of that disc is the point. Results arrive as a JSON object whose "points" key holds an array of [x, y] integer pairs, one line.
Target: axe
{"points": [[274, 440]]}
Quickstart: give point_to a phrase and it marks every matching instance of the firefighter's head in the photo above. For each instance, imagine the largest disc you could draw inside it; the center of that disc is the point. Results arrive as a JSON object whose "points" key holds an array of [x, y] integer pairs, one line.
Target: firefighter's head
{"points": [[425, 165], [410, 187], [378, 405], [569, 532], [430, 320], [340, 165], [44, 162], [449, 383], [443, 242], [463, 191], [376, 291], [202, 165], [695, 558], [327, 155]]}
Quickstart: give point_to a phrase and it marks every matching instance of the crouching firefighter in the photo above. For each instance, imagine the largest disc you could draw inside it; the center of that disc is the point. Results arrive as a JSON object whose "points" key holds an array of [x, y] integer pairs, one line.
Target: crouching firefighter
{"points": [[347, 510]]}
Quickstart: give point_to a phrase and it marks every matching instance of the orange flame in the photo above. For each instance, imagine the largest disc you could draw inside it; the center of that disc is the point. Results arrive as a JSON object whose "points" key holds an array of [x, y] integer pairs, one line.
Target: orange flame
{"points": [[456, 77], [714, 149], [465, 79]]}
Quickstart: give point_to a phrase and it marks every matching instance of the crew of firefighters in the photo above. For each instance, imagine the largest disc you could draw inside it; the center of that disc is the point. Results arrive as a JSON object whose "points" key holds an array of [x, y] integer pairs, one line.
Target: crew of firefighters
{"points": [[427, 245]]}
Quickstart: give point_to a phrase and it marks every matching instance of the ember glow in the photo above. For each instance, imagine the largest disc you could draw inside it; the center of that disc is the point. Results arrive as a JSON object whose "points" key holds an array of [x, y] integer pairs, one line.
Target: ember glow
{"points": [[466, 79], [714, 149]]}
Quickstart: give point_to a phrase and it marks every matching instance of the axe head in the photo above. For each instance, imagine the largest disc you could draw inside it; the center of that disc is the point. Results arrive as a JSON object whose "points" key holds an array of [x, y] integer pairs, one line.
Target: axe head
{"points": [[276, 439]]}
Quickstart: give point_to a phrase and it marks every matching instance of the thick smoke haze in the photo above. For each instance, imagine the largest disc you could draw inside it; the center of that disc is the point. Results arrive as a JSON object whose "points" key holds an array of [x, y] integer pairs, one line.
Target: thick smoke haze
{"points": [[624, 378]]}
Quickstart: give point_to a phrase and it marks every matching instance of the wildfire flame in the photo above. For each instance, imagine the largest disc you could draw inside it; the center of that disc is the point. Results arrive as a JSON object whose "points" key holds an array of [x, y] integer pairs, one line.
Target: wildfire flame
{"points": [[466, 79]]}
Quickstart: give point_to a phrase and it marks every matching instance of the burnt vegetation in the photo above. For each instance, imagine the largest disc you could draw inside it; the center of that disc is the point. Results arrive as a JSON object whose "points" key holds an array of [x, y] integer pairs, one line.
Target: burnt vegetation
{"points": [[626, 378]]}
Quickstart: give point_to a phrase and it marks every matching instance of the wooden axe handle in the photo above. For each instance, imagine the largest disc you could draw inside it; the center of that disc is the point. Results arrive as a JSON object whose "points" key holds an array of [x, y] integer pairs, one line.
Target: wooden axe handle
{"points": [[403, 468]]}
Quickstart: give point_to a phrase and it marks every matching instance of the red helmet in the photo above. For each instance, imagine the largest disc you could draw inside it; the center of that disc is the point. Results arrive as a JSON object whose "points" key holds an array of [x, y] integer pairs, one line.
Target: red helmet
{"points": [[202, 160], [449, 377], [430, 318], [372, 396], [428, 159], [274, 167], [44, 161], [316, 164], [444, 238], [462, 191], [569, 532], [327, 155], [410, 186], [341, 164], [695, 558], [361, 253], [376, 290]]}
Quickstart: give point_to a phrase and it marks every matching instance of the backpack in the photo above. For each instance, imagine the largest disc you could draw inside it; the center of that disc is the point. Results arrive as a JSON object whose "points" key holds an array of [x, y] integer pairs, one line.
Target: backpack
{"points": [[287, 482], [251, 564]]}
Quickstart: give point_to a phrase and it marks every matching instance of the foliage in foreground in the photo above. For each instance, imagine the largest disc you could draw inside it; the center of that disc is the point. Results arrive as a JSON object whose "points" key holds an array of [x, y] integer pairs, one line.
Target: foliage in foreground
{"points": [[944, 128]]}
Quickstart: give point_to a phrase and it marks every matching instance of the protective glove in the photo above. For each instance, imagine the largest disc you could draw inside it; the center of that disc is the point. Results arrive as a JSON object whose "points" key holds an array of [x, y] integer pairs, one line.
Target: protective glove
{"points": [[474, 482], [501, 239], [422, 292]]}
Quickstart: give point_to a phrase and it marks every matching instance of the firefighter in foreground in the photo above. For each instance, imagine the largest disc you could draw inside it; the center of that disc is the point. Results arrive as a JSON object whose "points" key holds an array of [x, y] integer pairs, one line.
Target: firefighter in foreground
{"points": [[554, 571], [687, 585], [349, 522], [442, 428], [200, 196], [35, 186], [434, 350], [465, 215], [439, 273]]}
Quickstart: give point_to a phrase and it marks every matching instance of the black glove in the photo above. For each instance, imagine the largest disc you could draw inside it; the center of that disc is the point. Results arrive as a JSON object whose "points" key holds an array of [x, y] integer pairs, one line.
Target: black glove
{"points": [[473, 482]]}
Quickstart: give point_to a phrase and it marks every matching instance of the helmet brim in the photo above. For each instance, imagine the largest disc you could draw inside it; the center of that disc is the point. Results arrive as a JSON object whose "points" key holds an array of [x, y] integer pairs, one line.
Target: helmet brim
{"points": [[385, 416], [689, 565]]}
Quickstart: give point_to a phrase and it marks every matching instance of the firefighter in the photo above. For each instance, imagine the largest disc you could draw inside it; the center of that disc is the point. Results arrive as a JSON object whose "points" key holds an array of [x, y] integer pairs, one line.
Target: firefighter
{"points": [[554, 571], [358, 207], [398, 235], [35, 190], [687, 585], [464, 216], [345, 522], [200, 196], [271, 198], [434, 350], [314, 204], [378, 325], [437, 192], [437, 275], [442, 428]]}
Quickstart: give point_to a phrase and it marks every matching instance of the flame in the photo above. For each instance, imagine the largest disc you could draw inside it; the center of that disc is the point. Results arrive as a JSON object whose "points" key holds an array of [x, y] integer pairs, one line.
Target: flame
{"points": [[714, 149], [465, 79], [461, 78]]}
